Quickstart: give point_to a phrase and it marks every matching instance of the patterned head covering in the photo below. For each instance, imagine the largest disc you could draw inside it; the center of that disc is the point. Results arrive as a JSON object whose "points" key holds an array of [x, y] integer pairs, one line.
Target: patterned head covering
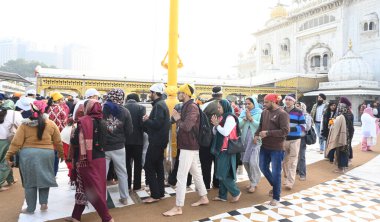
{"points": [[8, 105], [116, 96], [38, 107]]}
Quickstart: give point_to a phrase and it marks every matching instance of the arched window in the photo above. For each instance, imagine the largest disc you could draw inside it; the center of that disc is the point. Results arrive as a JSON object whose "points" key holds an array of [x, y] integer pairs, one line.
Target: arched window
{"points": [[285, 48], [325, 60], [266, 52], [371, 26], [316, 61], [366, 26]]}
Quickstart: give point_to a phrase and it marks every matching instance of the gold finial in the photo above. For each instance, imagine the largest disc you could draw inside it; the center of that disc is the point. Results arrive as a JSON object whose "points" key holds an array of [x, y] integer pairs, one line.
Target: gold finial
{"points": [[350, 45]]}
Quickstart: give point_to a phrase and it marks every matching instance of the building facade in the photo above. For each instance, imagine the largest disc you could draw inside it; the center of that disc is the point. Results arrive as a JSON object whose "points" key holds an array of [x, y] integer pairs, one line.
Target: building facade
{"points": [[309, 36]]}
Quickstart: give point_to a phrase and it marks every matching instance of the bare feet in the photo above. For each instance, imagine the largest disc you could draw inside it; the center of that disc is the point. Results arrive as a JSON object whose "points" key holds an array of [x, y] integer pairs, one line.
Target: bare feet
{"points": [[202, 201], [24, 211], [71, 219], [235, 199], [248, 187], [150, 200], [3, 189], [270, 193], [219, 199], [251, 190], [273, 202], [173, 212], [124, 201], [288, 187], [44, 207]]}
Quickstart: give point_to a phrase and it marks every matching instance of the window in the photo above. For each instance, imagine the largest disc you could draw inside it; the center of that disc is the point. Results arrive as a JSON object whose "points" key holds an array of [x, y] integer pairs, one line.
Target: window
{"points": [[317, 22], [316, 61], [371, 26], [267, 50], [366, 26], [325, 60]]}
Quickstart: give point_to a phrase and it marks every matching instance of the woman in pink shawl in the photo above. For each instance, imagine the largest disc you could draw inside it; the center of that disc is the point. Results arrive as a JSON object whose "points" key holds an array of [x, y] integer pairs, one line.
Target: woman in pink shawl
{"points": [[370, 129]]}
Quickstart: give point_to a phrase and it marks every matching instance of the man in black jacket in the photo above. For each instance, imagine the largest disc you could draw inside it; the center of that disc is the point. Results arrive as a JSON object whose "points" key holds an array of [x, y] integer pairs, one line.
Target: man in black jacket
{"points": [[119, 127], [157, 126], [134, 143]]}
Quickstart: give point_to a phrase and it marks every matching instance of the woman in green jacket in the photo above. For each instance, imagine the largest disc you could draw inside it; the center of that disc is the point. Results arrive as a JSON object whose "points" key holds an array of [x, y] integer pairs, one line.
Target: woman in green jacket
{"points": [[249, 121]]}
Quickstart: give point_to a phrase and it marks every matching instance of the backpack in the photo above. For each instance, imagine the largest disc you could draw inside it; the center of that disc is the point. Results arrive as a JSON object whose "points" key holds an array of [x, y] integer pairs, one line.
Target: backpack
{"points": [[205, 131]]}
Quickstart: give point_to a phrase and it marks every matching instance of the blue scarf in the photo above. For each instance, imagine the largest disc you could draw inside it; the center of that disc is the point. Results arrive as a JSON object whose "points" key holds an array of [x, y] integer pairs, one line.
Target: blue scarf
{"points": [[111, 108], [254, 111]]}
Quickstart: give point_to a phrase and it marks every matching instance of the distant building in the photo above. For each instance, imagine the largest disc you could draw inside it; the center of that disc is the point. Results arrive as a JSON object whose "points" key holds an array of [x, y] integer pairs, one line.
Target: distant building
{"points": [[11, 49], [76, 58]]}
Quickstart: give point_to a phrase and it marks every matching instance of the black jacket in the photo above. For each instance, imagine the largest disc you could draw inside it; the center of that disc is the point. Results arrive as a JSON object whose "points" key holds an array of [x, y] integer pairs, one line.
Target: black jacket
{"points": [[118, 129], [158, 124], [137, 112]]}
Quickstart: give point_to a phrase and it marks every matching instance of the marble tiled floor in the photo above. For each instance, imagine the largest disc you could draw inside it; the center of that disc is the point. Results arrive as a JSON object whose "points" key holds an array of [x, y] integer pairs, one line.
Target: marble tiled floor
{"points": [[61, 198], [343, 199]]}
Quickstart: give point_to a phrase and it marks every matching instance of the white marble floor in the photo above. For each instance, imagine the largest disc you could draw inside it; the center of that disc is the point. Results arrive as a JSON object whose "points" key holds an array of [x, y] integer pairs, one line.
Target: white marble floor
{"points": [[61, 198]]}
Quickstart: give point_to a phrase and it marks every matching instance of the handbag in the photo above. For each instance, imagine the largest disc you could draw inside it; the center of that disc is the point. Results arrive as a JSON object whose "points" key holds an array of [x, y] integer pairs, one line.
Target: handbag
{"points": [[12, 129], [235, 145], [311, 136]]}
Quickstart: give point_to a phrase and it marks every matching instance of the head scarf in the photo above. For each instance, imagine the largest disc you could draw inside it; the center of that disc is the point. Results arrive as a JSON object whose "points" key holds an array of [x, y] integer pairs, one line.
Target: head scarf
{"points": [[186, 88], [93, 109], [116, 96], [8, 105], [272, 97], [369, 111], [2, 96], [254, 111], [79, 112]]}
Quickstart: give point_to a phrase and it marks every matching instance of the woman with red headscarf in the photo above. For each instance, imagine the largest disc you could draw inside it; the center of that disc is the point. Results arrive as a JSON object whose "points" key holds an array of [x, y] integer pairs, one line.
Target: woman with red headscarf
{"points": [[89, 162]]}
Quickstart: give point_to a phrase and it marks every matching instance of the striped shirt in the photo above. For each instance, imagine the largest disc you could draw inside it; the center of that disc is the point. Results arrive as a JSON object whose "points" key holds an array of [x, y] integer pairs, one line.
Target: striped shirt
{"points": [[297, 124]]}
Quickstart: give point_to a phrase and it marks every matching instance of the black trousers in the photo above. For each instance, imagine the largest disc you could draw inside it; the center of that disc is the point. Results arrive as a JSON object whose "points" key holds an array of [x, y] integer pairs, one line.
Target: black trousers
{"points": [[172, 179], [133, 154], [206, 159], [111, 173], [154, 170]]}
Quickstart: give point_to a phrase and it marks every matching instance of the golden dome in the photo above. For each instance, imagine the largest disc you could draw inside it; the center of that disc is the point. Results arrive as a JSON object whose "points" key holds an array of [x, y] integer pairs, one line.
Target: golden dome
{"points": [[278, 12]]}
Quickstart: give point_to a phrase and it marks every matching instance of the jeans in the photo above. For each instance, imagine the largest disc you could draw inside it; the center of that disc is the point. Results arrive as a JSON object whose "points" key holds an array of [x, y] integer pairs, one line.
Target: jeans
{"points": [[274, 177], [31, 197], [301, 166], [320, 139]]}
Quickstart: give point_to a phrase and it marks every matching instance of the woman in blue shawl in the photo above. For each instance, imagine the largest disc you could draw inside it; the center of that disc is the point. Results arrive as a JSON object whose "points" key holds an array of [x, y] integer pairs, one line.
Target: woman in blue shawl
{"points": [[249, 121], [225, 127]]}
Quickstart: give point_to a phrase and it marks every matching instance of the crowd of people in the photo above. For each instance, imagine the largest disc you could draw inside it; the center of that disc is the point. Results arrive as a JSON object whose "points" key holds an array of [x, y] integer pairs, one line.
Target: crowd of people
{"points": [[36, 133]]}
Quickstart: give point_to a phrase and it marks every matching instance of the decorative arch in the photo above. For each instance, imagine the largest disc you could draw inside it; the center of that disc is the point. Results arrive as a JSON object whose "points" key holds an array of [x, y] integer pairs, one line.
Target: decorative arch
{"points": [[321, 55]]}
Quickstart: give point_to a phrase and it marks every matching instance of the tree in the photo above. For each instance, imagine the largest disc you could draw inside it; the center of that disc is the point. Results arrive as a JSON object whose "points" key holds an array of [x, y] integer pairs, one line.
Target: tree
{"points": [[23, 67]]}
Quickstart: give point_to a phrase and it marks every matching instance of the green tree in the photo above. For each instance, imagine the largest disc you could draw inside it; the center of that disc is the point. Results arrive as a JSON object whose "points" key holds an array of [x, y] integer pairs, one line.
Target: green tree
{"points": [[23, 67]]}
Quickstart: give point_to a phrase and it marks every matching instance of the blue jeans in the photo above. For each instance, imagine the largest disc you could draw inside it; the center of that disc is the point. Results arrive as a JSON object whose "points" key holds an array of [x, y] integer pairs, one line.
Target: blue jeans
{"points": [[320, 139], [274, 177], [301, 166]]}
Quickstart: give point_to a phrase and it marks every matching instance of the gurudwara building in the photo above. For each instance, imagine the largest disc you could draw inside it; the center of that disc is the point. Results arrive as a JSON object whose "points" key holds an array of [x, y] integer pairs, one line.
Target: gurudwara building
{"points": [[338, 39]]}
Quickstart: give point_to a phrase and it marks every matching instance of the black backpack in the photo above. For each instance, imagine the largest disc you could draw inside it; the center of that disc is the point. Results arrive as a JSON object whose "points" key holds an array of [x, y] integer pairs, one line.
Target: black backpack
{"points": [[205, 131]]}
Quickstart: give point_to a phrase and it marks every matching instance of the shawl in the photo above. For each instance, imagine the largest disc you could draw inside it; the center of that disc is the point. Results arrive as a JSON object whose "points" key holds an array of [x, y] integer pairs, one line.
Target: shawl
{"points": [[93, 110], [369, 128], [338, 134], [112, 108], [256, 115]]}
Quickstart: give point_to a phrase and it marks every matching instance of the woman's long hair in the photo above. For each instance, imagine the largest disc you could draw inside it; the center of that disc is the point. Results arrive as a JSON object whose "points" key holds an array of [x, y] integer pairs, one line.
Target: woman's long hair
{"points": [[3, 114], [38, 109]]}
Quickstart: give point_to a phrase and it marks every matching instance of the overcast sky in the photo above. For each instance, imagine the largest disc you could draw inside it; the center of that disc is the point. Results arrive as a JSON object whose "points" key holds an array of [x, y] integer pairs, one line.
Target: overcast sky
{"points": [[130, 37]]}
